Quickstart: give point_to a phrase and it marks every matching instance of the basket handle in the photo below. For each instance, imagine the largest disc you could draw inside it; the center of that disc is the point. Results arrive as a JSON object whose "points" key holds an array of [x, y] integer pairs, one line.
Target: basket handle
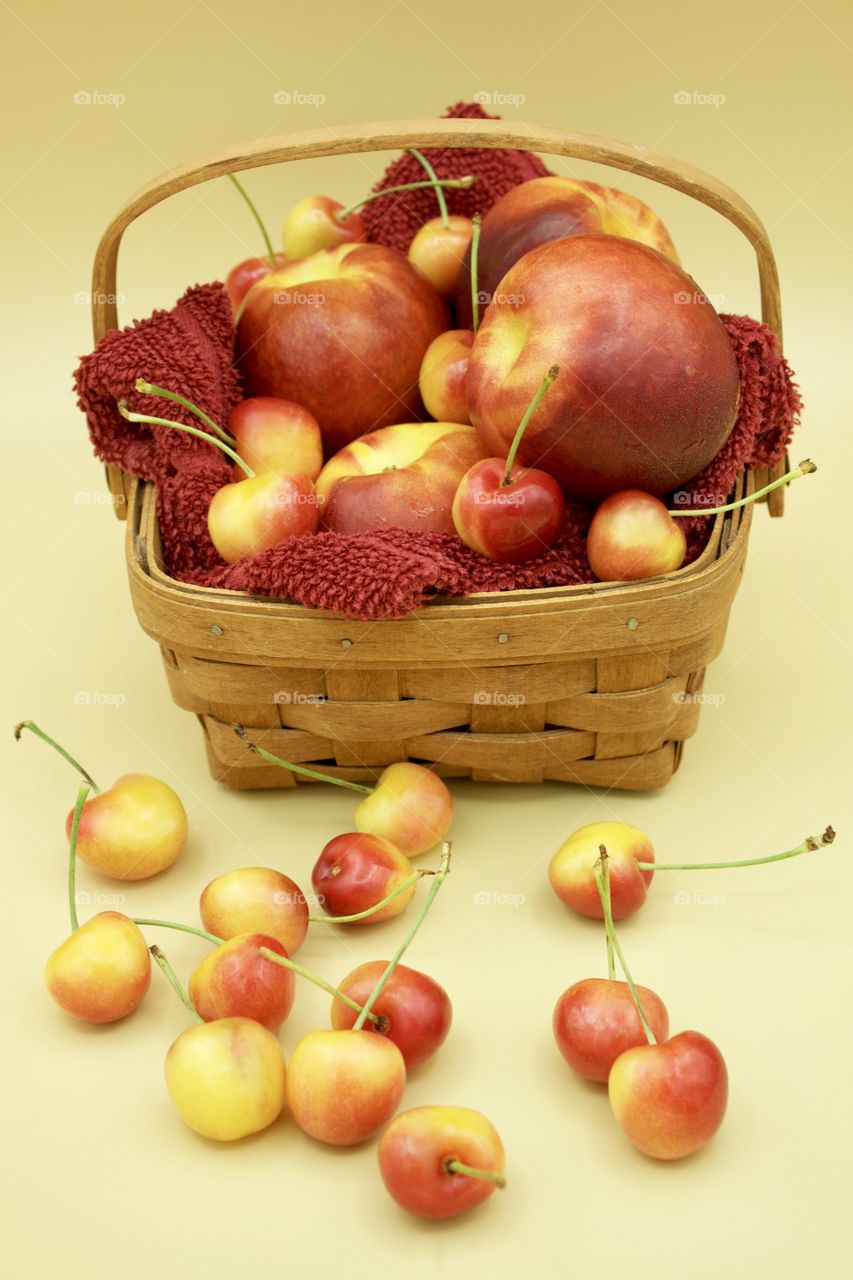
{"points": [[399, 134]]}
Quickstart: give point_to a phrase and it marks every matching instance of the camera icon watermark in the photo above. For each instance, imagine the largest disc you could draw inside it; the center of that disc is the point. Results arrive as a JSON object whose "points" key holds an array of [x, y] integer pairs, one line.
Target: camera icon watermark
{"points": [[499, 98], [686, 898], [297, 298], [695, 98], [95, 698], [294, 698], [494, 698], [490, 898], [702, 699], [84, 298], [96, 98], [288, 898], [98, 898], [95, 498], [698, 498], [485, 298], [685, 298], [297, 98]]}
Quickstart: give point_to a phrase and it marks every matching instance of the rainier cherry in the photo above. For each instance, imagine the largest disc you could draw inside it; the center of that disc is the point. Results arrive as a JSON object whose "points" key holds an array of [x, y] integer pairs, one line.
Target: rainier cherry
{"points": [[135, 829], [438, 1162]]}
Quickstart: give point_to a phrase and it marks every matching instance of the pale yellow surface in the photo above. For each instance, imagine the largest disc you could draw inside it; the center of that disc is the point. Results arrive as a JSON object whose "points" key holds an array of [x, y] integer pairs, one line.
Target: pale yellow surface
{"points": [[105, 1180]]}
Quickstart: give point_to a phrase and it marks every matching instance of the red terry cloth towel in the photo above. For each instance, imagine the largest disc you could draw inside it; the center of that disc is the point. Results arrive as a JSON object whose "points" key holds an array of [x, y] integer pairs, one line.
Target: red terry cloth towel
{"points": [[389, 573], [188, 349], [394, 221]]}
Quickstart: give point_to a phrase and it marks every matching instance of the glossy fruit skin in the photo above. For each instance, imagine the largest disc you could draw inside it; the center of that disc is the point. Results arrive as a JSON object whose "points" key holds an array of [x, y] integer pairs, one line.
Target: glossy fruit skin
{"points": [[545, 209], [632, 536], [240, 279], [132, 831], [235, 981], [226, 1078], [355, 871], [403, 477], [508, 524], [252, 515], [649, 387], [438, 251], [413, 1151], [276, 435], [410, 806], [417, 1009], [595, 1022], [443, 376], [571, 875], [670, 1099], [342, 332], [256, 900], [101, 972], [312, 225], [343, 1086]]}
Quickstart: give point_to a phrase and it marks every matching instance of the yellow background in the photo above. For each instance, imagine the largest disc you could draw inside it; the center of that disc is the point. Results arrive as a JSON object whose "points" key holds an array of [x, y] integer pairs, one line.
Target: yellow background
{"points": [[104, 1179]]}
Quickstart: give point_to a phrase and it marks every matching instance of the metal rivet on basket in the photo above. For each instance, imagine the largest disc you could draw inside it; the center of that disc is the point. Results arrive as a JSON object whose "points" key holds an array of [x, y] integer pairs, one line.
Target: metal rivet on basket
{"points": [[632, 624], [346, 644], [503, 638], [216, 629]]}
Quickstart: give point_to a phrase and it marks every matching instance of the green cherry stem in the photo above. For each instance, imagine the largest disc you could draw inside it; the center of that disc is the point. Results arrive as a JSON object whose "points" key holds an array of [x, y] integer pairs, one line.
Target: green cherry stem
{"points": [[184, 928], [193, 431], [173, 979], [806, 468], [72, 857], [487, 1175], [810, 845], [605, 882], [371, 911], [440, 877], [149, 389], [240, 731], [476, 223], [40, 733], [244, 193], [522, 426], [453, 184], [431, 173], [611, 933], [286, 963]]}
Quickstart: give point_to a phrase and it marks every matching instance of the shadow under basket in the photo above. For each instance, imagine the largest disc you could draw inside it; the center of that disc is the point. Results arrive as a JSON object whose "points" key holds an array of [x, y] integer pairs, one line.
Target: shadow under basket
{"points": [[595, 684]]}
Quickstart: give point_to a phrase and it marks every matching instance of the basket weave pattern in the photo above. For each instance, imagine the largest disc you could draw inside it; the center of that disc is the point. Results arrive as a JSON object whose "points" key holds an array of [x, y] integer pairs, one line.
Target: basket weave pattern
{"points": [[594, 684]]}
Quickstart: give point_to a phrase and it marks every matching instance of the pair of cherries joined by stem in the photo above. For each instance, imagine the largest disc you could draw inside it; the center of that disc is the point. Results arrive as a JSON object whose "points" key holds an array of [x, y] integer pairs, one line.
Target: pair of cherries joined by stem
{"points": [[668, 1095]]}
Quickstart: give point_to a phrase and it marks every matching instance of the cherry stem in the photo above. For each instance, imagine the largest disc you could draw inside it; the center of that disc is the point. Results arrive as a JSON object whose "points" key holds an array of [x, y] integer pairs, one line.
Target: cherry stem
{"points": [[173, 979], [611, 933], [72, 857], [439, 194], [40, 733], [184, 928], [193, 431], [149, 389], [806, 468], [440, 877], [371, 911], [605, 881], [240, 731], [476, 223], [287, 963], [244, 193], [522, 426], [455, 1166], [810, 845], [454, 184]]}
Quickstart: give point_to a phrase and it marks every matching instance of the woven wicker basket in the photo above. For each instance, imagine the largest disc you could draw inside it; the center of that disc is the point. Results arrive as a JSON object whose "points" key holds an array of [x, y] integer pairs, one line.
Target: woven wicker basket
{"points": [[589, 684]]}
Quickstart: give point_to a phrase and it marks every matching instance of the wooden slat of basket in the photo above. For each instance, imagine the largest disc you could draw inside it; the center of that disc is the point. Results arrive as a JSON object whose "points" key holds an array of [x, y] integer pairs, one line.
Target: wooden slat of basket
{"points": [[605, 711], [351, 689]]}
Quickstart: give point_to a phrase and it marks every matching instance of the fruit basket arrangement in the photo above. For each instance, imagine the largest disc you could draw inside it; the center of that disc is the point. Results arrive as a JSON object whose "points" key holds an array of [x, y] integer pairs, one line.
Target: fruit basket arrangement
{"points": [[427, 620]]}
